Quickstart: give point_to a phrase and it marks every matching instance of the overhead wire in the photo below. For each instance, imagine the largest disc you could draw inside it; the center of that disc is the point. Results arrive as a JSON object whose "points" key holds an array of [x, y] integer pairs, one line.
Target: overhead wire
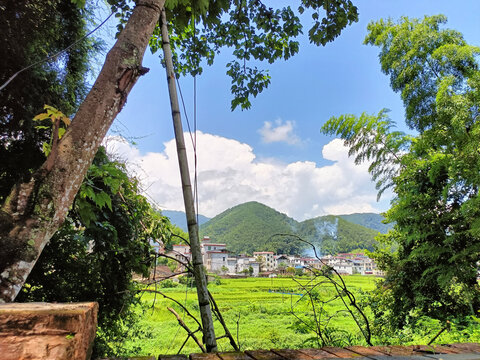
{"points": [[56, 54], [193, 137]]}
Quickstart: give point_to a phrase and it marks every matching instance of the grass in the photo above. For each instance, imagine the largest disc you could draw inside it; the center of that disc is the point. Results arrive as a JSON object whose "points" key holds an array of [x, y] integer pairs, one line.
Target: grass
{"points": [[263, 319]]}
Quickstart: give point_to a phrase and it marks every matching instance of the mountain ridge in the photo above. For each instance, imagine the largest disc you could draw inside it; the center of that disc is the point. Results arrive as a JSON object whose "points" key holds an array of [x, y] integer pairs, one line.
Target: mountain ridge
{"points": [[253, 226], [178, 218]]}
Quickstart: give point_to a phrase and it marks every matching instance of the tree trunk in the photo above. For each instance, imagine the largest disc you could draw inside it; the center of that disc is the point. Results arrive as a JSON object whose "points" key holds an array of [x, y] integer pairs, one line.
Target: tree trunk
{"points": [[35, 210], [198, 269]]}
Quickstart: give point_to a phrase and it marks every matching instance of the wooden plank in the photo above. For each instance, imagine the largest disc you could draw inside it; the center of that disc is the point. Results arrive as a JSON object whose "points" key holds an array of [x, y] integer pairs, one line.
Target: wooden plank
{"points": [[471, 356], [204, 356], [395, 357], [234, 355], [341, 352], [318, 353], [172, 357], [365, 350], [435, 349], [399, 352], [383, 349], [263, 355], [292, 354], [466, 347]]}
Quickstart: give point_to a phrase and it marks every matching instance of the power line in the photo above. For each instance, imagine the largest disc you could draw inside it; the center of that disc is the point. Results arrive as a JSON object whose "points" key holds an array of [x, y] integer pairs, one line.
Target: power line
{"points": [[56, 54]]}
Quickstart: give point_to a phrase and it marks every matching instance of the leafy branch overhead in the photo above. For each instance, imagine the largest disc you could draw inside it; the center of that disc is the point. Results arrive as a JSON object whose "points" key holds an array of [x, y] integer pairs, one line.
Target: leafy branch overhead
{"points": [[370, 138], [253, 31]]}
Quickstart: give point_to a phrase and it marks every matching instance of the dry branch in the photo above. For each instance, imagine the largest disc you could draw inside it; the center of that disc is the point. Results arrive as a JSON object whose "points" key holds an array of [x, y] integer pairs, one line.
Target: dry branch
{"points": [[189, 332]]}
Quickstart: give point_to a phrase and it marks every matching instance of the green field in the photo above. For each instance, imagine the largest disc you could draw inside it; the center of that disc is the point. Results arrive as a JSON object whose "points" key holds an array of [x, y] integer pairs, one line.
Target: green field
{"points": [[264, 318]]}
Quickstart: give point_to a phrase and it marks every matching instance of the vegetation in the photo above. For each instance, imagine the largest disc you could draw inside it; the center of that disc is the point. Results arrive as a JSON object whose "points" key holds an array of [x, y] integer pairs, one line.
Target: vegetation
{"points": [[332, 234], [431, 282], [28, 31], [434, 174], [104, 240], [254, 32], [248, 227], [369, 220], [251, 227], [57, 181], [263, 309]]}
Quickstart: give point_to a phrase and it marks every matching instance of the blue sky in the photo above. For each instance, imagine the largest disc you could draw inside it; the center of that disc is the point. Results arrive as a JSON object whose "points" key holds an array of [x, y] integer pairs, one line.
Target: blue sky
{"points": [[274, 152]]}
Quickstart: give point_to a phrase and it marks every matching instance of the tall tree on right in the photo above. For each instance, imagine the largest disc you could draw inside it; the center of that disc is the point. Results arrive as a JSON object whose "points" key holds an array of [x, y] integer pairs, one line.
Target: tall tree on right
{"points": [[435, 174]]}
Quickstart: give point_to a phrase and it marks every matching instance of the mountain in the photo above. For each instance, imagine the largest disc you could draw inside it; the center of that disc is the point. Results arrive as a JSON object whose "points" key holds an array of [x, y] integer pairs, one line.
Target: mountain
{"points": [[369, 220], [251, 227], [178, 218], [333, 234]]}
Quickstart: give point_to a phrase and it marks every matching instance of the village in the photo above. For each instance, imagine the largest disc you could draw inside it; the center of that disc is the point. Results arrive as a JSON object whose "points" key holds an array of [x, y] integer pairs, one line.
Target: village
{"points": [[217, 259]]}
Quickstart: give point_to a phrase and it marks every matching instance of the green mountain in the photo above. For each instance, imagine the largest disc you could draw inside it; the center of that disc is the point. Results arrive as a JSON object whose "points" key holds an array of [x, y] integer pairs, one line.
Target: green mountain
{"points": [[369, 220], [333, 234], [253, 227], [178, 218], [249, 227]]}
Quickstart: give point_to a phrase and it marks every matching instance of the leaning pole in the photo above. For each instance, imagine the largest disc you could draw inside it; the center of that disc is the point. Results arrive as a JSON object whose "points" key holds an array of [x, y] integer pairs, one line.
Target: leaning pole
{"points": [[199, 271]]}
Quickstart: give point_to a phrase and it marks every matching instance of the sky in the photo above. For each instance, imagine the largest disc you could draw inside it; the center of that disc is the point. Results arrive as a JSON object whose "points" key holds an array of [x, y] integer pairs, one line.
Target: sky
{"points": [[274, 153]]}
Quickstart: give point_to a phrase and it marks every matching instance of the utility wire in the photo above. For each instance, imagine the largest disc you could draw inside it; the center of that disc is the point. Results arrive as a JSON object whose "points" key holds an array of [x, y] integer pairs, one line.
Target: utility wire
{"points": [[56, 54]]}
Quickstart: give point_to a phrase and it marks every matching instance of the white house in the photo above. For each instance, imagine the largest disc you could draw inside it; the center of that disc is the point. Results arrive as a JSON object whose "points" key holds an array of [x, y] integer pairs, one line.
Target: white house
{"points": [[214, 255], [266, 260], [345, 267]]}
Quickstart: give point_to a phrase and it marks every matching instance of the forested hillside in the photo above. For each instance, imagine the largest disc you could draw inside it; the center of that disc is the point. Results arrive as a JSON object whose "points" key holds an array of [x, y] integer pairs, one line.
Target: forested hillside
{"points": [[251, 227], [369, 220], [333, 234], [248, 227]]}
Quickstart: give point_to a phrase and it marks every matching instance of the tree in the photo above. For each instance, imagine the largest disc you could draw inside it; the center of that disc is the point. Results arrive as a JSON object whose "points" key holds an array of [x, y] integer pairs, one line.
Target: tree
{"points": [[29, 31], [435, 175], [104, 240], [36, 208]]}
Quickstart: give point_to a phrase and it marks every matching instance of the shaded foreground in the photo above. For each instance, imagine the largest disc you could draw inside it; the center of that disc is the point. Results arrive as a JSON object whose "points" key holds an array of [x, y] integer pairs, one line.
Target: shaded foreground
{"points": [[458, 351]]}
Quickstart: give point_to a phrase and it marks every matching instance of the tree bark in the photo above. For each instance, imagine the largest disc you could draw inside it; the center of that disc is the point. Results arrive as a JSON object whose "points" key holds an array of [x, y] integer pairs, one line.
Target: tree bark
{"points": [[35, 210]]}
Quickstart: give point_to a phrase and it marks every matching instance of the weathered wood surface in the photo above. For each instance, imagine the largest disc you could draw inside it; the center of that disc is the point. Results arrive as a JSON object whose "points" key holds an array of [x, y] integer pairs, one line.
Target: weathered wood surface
{"points": [[464, 351], [470, 351]]}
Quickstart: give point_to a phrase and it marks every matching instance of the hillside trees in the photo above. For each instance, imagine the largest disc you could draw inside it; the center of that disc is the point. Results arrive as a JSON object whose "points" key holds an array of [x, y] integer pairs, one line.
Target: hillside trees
{"points": [[434, 174], [35, 208]]}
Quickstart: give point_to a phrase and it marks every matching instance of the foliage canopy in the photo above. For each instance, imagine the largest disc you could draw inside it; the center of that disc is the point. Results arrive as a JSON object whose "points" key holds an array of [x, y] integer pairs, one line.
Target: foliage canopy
{"points": [[28, 32], [105, 239], [253, 31], [434, 174]]}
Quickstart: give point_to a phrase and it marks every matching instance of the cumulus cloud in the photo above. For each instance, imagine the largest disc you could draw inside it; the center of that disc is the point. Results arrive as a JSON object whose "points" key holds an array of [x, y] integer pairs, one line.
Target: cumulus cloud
{"points": [[279, 132], [229, 174]]}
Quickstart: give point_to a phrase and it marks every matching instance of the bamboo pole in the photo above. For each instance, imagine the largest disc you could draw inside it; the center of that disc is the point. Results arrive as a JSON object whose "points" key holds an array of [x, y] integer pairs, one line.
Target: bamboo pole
{"points": [[199, 271]]}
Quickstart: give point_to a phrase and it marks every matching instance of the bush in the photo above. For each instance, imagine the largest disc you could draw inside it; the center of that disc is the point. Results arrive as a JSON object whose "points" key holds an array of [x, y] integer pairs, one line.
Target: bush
{"points": [[167, 283]]}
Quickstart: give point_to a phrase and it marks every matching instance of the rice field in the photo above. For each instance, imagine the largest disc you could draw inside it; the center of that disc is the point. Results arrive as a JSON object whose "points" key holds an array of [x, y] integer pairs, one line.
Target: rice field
{"points": [[264, 313]]}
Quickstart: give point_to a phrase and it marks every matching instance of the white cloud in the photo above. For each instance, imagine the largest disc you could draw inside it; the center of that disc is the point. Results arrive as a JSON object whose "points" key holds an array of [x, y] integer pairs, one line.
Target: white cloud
{"points": [[279, 132], [229, 174]]}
